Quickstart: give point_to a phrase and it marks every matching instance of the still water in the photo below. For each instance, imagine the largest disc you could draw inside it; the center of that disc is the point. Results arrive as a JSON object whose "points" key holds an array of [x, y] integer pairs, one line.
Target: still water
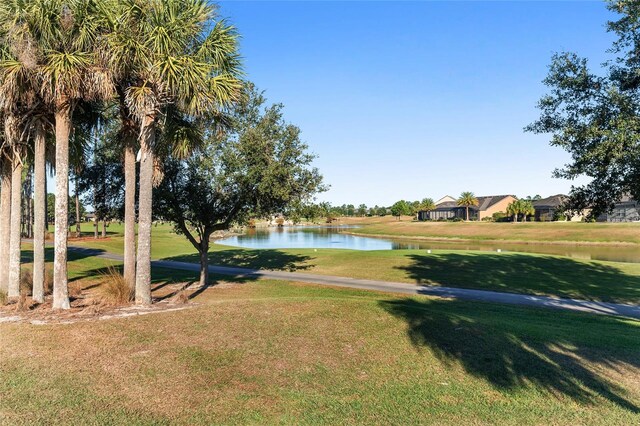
{"points": [[333, 237]]}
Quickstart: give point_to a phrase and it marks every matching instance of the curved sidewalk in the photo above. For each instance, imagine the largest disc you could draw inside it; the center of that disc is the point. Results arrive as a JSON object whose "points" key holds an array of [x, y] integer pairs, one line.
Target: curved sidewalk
{"points": [[603, 308]]}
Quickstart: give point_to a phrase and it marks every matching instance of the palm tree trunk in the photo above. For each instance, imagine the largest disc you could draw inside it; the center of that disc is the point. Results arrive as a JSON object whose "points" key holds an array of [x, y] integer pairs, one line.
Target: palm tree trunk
{"points": [[130, 213], [143, 260], [60, 281], [467, 213], [39, 219], [16, 216], [5, 224], [78, 232], [46, 207]]}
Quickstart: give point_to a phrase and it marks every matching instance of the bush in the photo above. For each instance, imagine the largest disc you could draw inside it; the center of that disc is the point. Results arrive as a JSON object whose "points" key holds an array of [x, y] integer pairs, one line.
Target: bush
{"points": [[252, 223], [456, 219], [499, 217], [280, 221], [114, 288]]}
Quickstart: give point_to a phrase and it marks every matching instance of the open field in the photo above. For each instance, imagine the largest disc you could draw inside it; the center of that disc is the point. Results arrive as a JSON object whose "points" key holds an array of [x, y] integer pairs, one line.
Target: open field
{"points": [[272, 352], [511, 272], [539, 232]]}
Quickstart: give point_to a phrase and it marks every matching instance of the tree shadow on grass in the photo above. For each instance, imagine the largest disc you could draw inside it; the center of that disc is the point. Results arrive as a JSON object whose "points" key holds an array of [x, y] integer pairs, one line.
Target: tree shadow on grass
{"points": [[274, 260], [517, 348], [520, 273], [165, 282], [26, 256]]}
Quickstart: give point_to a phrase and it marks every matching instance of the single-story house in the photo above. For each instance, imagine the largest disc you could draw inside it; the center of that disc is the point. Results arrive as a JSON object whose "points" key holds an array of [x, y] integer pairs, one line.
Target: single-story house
{"points": [[551, 208], [548, 209], [627, 210], [450, 209]]}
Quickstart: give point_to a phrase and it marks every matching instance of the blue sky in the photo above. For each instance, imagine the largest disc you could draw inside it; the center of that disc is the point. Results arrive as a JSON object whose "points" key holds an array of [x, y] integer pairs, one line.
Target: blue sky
{"points": [[418, 99]]}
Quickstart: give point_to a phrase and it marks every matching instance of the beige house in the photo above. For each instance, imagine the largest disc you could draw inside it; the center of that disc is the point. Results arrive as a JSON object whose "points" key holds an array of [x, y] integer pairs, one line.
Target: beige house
{"points": [[487, 206], [448, 208]]}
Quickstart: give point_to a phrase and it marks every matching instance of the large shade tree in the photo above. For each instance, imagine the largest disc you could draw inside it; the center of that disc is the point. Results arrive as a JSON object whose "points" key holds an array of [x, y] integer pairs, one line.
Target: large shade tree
{"points": [[595, 116], [258, 167]]}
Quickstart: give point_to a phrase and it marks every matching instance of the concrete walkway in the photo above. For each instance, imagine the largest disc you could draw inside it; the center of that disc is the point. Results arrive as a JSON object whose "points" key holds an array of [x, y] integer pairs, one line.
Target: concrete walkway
{"points": [[631, 311]]}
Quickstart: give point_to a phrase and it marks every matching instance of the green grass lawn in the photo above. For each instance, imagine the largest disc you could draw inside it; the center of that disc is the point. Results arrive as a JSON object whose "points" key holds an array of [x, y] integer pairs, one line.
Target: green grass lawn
{"points": [[510, 272], [269, 352]]}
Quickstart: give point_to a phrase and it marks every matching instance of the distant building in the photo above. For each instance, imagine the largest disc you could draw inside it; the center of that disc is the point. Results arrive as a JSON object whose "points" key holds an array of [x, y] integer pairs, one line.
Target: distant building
{"points": [[548, 209], [627, 210], [448, 208], [445, 199]]}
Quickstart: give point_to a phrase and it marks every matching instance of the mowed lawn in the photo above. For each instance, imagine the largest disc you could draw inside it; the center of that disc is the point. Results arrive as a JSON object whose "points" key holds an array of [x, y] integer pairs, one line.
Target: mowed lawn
{"points": [[543, 232], [510, 272], [269, 352]]}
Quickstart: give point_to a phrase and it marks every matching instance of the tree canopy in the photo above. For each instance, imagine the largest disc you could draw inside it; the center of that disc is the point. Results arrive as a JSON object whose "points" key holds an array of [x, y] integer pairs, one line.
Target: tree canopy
{"points": [[596, 117], [259, 166]]}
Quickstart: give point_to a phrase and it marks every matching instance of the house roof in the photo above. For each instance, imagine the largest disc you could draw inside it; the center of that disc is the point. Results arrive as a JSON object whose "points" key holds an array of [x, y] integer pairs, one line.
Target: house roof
{"points": [[446, 205], [552, 201], [445, 199], [485, 202]]}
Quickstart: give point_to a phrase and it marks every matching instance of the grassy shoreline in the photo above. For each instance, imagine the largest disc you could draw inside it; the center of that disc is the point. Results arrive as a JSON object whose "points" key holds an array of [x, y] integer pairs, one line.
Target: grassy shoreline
{"points": [[488, 240], [514, 272], [523, 233]]}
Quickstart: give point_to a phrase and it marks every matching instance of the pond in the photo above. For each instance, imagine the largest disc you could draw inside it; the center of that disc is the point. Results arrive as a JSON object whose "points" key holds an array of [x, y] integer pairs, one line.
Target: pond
{"points": [[323, 237]]}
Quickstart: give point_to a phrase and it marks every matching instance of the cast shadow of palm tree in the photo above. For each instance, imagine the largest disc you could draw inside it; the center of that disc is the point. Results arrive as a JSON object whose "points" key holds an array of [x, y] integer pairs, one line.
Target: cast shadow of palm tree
{"points": [[516, 273], [274, 260], [504, 354]]}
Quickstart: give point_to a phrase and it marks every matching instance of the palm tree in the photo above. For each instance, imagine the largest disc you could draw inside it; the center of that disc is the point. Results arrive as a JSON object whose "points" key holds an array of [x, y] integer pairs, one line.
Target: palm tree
{"points": [[18, 99], [427, 204], [467, 199], [526, 208], [172, 60], [66, 33], [514, 209]]}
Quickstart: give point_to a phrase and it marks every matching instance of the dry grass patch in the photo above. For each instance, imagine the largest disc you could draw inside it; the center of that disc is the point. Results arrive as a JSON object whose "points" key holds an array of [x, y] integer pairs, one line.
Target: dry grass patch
{"points": [[114, 289], [539, 232]]}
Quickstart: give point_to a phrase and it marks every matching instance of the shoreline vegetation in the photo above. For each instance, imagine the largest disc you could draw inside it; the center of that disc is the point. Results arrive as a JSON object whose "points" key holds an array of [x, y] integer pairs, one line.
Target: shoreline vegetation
{"points": [[560, 233], [487, 240]]}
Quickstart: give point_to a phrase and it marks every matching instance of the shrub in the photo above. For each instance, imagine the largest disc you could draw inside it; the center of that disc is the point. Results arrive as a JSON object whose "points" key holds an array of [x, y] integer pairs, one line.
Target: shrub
{"points": [[280, 221], [499, 216], [252, 223], [114, 288]]}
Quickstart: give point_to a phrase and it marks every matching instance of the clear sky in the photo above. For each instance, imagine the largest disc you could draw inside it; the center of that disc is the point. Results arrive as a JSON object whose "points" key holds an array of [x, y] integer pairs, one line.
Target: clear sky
{"points": [[418, 99]]}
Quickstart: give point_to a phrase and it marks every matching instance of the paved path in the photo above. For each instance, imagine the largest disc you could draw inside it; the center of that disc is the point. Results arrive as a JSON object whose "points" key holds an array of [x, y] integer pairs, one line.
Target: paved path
{"points": [[631, 311]]}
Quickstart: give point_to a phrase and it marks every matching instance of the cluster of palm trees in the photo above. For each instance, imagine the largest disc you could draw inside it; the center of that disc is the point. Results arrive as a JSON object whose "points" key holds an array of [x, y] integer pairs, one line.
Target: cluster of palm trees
{"points": [[522, 207], [160, 64]]}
